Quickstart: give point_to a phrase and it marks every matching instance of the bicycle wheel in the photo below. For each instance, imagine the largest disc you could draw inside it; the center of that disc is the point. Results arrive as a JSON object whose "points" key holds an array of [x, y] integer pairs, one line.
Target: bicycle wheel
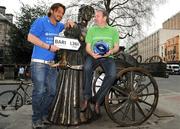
{"points": [[27, 94], [9, 101]]}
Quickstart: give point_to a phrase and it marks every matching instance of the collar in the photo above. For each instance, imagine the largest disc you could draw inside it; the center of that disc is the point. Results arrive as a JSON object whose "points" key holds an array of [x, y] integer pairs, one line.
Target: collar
{"points": [[105, 27], [48, 19]]}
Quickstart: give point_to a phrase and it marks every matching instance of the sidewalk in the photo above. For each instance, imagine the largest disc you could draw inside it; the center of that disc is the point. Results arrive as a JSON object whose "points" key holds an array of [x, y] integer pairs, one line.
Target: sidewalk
{"points": [[166, 116], [162, 119], [11, 82], [21, 119], [8, 82]]}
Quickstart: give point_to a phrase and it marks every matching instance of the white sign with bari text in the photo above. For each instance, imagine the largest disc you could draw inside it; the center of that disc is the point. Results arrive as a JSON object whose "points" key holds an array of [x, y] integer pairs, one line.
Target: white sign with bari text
{"points": [[66, 43]]}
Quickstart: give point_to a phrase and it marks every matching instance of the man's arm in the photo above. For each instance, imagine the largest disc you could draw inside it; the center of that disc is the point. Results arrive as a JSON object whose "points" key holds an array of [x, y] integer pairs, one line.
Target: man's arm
{"points": [[36, 41], [113, 50]]}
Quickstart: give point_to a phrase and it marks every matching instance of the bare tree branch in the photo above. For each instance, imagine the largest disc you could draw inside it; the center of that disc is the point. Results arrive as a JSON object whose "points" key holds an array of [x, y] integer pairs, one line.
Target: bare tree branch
{"points": [[126, 15], [119, 4], [124, 25]]}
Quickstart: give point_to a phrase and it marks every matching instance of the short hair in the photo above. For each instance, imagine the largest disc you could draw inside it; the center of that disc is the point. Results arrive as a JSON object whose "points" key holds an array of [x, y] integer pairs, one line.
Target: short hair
{"points": [[104, 12], [56, 6]]}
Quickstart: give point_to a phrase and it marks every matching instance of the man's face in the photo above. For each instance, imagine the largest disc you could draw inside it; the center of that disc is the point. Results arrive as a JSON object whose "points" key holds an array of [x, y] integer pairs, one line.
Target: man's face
{"points": [[99, 18], [58, 13]]}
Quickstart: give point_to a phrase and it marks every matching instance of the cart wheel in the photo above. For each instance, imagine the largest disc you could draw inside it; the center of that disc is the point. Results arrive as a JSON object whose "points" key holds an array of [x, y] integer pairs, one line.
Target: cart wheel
{"points": [[155, 58], [98, 82], [139, 58], [133, 98], [147, 60]]}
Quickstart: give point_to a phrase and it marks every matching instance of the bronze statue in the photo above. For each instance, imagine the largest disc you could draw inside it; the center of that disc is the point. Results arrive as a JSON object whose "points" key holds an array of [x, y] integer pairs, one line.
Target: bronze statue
{"points": [[66, 105]]}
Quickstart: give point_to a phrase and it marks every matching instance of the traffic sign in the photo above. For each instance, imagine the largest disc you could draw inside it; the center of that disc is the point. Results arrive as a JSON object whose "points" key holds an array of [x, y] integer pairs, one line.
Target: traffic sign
{"points": [[66, 43]]}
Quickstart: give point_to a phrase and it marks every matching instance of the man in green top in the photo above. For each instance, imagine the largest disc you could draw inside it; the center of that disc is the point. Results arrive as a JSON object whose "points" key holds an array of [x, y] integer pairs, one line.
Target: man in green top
{"points": [[100, 33]]}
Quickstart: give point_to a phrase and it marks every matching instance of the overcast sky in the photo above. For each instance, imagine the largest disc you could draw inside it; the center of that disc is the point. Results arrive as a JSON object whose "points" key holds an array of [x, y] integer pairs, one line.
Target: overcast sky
{"points": [[162, 13]]}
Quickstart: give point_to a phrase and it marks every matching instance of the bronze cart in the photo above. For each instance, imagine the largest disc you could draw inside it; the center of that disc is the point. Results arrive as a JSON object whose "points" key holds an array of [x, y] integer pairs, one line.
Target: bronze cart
{"points": [[134, 95]]}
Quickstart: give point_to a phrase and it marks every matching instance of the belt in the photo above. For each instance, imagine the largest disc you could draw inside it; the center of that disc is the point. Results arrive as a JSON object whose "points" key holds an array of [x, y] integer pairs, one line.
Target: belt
{"points": [[42, 61]]}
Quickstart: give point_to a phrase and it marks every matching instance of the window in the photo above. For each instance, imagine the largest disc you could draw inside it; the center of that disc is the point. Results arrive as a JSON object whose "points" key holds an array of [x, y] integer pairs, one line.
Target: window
{"points": [[0, 26], [174, 50], [1, 53], [165, 51]]}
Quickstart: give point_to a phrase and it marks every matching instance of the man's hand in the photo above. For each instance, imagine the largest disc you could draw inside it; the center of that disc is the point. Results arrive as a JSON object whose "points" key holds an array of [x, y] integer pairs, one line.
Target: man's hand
{"points": [[110, 52], [96, 56], [54, 48], [69, 24]]}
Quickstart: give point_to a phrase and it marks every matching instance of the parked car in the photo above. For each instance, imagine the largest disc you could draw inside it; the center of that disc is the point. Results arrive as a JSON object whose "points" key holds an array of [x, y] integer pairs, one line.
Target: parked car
{"points": [[173, 69]]}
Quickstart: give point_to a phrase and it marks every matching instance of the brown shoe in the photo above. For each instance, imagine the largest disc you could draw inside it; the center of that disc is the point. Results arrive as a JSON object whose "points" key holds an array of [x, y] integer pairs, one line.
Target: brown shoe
{"points": [[97, 109], [97, 113], [84, 106]]}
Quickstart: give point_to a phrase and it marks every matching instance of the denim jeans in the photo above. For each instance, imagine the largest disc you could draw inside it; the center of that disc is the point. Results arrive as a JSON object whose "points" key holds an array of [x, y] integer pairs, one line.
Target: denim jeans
{"points": [[109, 67], [44, 89]]}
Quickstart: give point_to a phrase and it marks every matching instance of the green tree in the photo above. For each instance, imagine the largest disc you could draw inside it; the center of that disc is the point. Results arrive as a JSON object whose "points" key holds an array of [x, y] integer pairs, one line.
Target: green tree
{"points": [[20, 48]]}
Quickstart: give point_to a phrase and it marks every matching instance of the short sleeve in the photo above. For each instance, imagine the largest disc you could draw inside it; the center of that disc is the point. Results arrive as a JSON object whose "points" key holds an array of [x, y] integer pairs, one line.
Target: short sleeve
{"points": [[89, 36], [115, 36], [61, 27], [37, 27]]}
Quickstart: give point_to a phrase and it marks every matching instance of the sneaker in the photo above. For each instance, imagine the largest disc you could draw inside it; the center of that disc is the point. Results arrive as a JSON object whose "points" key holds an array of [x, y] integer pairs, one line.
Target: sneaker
{"points": [[38, 125], [45, 121]]}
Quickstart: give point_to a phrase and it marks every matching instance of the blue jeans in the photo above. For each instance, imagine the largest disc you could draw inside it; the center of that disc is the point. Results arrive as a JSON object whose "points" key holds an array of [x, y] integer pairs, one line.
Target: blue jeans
{"points": [[109, 67], [44, 89]]}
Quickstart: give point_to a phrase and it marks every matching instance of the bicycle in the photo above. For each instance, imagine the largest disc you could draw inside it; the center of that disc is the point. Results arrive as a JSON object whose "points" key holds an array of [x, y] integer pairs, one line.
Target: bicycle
{"points": [[11, 100]]}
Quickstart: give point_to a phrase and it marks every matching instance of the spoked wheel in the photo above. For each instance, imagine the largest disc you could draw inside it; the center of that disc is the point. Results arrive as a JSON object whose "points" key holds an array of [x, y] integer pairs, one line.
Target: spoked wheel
{"points": [[155, 58], [28, 95], [139, 58], [133, 98], [98, 82], [9, 101], [147, 60]]}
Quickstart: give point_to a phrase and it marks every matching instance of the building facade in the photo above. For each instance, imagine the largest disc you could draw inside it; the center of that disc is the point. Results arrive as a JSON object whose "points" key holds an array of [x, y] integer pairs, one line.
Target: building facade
{"points": [[173, 22], [161, 42], [5, 25], [172, 50], [152, 45]]}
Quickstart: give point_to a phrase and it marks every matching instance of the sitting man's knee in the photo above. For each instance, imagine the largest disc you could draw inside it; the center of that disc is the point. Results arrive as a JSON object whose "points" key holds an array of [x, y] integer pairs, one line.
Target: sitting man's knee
{"points": [[112, 76], [87, 68]]}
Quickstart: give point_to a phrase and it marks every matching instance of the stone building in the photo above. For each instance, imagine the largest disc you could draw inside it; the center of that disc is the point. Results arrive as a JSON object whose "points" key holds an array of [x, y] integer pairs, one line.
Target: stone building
{"points": [[5, 25], [161, 42], [152, 45], [173, 22], [172, 50]]}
